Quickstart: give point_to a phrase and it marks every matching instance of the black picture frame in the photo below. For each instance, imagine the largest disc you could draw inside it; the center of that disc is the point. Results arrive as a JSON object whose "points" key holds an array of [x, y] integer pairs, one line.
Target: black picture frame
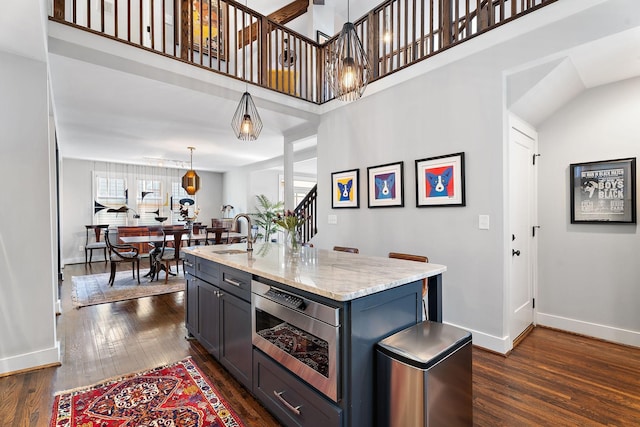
{"points": [[385, 185], [440, 181], [603, 192], [345, 189], [321, 37]]}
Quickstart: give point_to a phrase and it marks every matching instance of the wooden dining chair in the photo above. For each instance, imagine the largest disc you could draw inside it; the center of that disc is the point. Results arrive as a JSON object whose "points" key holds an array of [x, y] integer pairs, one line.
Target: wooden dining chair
{"points": [[418, 258], [93, 242], [346, 249], [122, 253], [170, 252]]}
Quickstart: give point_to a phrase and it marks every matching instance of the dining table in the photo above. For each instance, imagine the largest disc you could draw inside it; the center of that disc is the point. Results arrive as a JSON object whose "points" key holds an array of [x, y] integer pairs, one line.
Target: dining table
{"points": [[156, 240]]}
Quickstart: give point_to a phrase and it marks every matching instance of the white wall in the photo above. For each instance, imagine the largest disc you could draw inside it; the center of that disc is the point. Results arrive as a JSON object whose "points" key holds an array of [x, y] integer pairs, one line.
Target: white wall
{"points": [[419, 119], [77, 198], [457, 107], [27, 273], [588, 280]]}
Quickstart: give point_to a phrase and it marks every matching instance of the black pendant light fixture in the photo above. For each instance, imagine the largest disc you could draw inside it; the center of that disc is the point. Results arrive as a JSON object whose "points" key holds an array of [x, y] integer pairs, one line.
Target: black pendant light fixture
{"points": [[191, 180], [350, 71], [246, 122]]}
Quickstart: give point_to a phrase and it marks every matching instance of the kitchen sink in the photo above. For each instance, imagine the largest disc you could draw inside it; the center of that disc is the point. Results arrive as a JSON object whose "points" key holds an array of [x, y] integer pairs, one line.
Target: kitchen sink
{"points": [[230, 251]]}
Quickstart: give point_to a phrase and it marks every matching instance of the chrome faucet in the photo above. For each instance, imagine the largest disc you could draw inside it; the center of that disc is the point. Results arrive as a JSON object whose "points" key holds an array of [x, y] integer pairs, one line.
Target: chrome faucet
{"points": [[250, 238]]}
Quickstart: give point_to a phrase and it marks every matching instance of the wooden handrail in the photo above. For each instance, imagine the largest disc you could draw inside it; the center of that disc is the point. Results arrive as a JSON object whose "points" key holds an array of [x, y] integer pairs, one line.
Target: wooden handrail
{"points": [[228, 38], [281, 16]]}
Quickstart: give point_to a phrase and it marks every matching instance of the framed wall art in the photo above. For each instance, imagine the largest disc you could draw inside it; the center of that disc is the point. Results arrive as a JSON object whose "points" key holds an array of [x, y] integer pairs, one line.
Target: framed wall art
{"points": [[385, 185], [603, 191], [321, 37], [209, 28], [345, 189], [440, 181]]}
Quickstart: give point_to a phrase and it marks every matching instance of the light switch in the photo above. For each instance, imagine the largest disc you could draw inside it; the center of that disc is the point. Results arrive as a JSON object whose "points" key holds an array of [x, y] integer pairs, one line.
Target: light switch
{"points": [[333, 219], [483, 222]]}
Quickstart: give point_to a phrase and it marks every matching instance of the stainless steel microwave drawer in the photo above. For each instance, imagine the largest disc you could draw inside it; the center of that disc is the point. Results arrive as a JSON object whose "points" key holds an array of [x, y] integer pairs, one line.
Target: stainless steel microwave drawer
{"points": [[289, 399]]}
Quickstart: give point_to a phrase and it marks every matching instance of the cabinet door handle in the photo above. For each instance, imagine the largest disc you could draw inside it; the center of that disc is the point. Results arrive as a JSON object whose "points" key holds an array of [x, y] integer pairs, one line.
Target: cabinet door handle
{"points": [[232, 282], [294, 409], [188, 264]]}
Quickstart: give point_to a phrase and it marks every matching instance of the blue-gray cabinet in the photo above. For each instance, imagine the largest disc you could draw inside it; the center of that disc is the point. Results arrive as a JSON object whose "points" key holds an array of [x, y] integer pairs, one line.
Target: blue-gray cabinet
{"points": [[218, 314]]}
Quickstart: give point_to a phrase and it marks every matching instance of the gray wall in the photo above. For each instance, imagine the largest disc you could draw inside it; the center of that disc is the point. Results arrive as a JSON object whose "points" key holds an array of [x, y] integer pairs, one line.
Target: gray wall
{"points": [[77, 199], [443, 112], [27, 225], [588, 275], [457, 105]]}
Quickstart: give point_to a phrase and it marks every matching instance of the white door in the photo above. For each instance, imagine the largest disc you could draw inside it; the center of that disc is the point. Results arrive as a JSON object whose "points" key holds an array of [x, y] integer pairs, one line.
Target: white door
{"points": [[522, 199]]}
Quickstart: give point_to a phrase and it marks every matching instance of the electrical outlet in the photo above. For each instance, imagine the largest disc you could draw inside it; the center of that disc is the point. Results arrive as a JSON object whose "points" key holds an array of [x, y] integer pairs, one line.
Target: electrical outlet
{"points": [[80, 248]]}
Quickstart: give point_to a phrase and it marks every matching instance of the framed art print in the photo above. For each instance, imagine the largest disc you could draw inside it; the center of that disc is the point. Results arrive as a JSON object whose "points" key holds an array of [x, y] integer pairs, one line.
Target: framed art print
{"points": [[345, 189], [385, 185], [440, 181], [603, 191]]}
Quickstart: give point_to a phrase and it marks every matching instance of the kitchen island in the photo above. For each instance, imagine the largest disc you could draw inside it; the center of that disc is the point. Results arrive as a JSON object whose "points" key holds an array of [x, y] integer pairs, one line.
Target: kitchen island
{"points": [[299, 330]]}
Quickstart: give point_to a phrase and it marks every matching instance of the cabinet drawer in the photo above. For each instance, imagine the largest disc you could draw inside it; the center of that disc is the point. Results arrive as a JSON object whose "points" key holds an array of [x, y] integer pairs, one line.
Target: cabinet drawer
{"points": [[190, 264], [235, 282], [273, 385], [206, 270]]}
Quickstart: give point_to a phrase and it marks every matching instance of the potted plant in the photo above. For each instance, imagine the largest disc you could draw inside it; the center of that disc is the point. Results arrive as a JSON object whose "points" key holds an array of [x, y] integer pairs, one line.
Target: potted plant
{"points": [[266, 213]]}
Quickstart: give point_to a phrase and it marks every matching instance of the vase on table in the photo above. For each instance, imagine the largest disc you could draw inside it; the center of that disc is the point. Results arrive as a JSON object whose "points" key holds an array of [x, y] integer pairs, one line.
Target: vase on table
{"points": [[292, 242]]}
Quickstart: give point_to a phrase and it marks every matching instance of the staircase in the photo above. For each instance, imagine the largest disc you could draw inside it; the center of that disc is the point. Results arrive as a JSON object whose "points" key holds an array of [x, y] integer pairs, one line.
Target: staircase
{"points": [[307, 209]]}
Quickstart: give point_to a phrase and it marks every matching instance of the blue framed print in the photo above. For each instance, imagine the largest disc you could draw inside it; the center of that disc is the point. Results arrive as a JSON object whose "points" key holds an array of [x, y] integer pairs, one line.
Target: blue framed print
{"points": [[345, 189], [386, 184], [440, 181]]}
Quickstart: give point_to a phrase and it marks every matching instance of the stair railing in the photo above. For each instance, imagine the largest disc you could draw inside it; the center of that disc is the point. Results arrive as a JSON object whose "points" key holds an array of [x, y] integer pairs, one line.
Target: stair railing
{"points": [[307, 209], [228, 38]]}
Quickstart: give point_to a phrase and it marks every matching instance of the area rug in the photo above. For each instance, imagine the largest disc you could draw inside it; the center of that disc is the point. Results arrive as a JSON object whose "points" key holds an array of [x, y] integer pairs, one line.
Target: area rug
{"points": [[94, 289], [174, 395]]}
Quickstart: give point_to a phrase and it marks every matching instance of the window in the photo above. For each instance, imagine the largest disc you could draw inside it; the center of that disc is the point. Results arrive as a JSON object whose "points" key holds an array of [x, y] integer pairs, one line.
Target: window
{"points": [[110, 194], [178, 193], [149, 201]]}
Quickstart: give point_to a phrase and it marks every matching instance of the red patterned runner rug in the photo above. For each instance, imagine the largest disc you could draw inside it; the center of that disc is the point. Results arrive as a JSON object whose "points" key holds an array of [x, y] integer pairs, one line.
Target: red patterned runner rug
{"points": [[174, 395]]}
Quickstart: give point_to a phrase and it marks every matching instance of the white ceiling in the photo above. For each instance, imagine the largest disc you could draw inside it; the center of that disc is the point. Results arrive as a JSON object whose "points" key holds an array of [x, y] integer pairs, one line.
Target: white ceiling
{"points": [[149, 110]]}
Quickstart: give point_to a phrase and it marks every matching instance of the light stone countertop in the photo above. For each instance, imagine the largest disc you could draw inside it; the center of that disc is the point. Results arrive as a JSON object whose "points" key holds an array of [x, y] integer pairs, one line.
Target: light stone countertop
{"points": [[339, 276]]}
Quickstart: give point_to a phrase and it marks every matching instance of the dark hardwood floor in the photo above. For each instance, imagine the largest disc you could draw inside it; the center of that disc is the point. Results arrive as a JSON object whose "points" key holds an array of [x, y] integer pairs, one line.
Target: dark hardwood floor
{"points": [[551, 379]]}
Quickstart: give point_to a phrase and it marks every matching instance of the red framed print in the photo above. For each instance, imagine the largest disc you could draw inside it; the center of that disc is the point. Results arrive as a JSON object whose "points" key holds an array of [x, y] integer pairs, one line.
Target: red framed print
{"points": [[345, 189], [440, 181], [385, 185]]}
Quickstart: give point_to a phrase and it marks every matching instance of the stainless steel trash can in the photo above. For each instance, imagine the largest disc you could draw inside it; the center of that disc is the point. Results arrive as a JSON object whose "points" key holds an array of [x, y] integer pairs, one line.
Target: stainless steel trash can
{"points": [[424, 377]]}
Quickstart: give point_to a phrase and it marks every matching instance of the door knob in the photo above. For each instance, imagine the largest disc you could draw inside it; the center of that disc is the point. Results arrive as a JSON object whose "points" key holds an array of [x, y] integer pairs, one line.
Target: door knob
{"points": [[515, 252]]}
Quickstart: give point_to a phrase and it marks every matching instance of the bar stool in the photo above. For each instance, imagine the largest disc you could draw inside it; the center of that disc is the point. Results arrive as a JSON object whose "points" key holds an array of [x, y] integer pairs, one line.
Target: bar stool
{"points": [[93, 243], [346, 249], [419, 258]]}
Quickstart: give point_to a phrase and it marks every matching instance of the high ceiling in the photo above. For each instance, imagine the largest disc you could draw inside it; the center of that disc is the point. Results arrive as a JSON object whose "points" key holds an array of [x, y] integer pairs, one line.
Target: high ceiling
{"points": [[113, 102]]}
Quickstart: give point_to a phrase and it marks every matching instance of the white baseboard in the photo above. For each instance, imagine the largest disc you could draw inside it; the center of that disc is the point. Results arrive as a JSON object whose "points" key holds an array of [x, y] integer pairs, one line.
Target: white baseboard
{"points": [[604, 332], [47, 356], [490, 342]]}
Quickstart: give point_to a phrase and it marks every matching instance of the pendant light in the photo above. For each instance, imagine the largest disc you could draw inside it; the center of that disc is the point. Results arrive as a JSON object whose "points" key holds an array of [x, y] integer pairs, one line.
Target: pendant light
{"points": [[246, 122], [191, 180], [350, 71]]}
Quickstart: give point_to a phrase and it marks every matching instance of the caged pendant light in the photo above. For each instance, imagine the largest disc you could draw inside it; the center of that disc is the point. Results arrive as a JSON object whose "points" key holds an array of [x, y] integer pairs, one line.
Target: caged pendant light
{"points": [[191, 180], [350, 71], [246, 122]]}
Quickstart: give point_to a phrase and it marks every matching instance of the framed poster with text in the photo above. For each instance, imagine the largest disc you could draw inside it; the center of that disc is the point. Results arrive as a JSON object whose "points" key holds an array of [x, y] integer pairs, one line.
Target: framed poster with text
{"points": [[603, 191]]}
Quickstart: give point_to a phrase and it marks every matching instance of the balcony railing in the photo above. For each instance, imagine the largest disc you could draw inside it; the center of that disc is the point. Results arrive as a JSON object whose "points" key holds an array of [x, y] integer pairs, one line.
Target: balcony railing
{"points": [[228, 38]]}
